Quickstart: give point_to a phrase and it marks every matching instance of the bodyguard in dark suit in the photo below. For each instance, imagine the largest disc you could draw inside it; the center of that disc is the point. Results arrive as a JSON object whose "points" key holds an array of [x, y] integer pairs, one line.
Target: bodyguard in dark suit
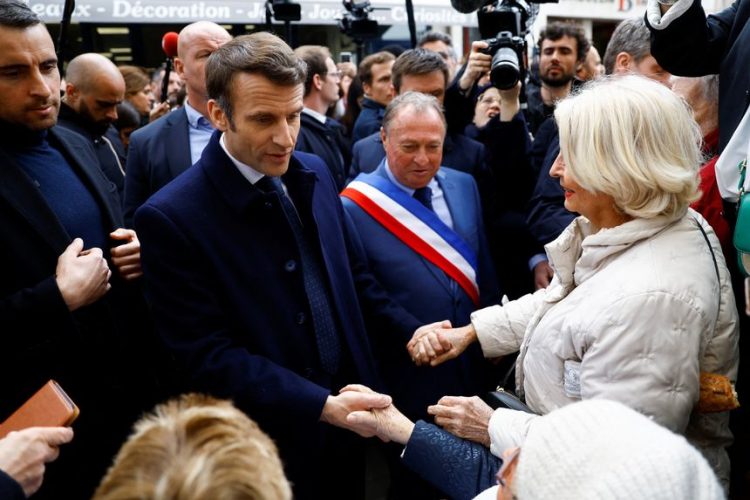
{"points": [[423, 71], [93, 89], [164, 149], [67, 308], [319, 134], [247, 270]]}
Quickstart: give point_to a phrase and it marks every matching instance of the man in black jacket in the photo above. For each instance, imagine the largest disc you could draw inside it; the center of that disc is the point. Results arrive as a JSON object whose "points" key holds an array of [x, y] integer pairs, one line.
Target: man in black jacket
{"points": [[319, 134], [69, 309], [93, 89]]}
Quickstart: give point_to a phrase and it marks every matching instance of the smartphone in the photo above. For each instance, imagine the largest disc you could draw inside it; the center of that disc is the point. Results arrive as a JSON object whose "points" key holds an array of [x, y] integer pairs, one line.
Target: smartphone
{"points": [[345, 57], [50, 406]]}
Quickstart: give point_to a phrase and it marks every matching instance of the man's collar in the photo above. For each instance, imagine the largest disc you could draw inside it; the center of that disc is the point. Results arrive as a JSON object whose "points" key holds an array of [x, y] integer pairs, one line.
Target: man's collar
{"points": [[194, 116], [246, 170], [318, 116]]}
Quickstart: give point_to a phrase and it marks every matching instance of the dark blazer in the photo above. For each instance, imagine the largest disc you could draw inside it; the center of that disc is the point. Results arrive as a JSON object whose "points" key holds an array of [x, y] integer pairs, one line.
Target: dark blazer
{"points": [[94, 352], [459, 153], [693, 45], [157, 153], [223, 275], [369, 119], [326, 141], [429, 294], [111, 159]]}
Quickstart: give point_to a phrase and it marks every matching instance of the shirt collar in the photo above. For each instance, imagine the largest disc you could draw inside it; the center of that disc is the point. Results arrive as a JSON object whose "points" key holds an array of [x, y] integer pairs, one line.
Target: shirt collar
{"points": [[195, 119], [247, 171], [318, 116], [432, 184]]}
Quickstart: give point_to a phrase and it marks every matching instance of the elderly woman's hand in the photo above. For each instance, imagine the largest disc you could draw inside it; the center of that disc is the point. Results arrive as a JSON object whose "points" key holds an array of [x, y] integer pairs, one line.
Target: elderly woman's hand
{"points": [[467, 418], [388, 424]]}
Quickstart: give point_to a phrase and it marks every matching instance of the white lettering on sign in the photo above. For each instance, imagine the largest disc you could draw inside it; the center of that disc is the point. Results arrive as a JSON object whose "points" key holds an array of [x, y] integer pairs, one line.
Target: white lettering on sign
{"points": [[138, 10]]}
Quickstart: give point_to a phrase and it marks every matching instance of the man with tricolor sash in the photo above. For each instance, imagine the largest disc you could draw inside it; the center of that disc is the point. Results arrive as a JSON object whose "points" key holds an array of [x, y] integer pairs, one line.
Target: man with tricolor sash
{"points": [[418, 226]]}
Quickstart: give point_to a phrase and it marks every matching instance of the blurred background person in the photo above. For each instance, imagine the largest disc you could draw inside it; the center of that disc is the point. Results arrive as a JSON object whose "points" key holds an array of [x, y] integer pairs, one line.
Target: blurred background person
{"points": [[138, 91], [128, 120], [375, 75], [441, 43]]}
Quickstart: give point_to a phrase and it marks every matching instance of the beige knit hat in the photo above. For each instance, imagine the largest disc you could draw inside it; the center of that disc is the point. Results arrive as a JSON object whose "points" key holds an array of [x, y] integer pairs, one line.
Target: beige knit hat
{"points": [[599, 449]]}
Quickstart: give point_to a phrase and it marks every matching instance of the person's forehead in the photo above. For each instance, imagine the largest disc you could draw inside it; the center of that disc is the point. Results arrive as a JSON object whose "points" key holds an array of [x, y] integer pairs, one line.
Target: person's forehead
{"points": [[21, 45], [381, 69], [434, 79], [436, 46], [563, 41], [409, 119]]}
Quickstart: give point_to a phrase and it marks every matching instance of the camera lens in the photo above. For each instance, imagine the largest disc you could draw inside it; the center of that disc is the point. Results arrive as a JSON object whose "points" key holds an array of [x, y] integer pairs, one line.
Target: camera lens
{"points": [[505, 72]]}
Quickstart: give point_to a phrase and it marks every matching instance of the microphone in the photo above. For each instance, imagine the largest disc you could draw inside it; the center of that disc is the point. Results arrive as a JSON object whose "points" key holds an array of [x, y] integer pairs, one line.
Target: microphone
{"points": [[169, 46], [467, 6]]}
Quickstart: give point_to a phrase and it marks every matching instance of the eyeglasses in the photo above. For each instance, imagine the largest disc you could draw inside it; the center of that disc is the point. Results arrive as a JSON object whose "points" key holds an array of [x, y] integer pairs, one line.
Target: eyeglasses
{"points": [[335, 74]]}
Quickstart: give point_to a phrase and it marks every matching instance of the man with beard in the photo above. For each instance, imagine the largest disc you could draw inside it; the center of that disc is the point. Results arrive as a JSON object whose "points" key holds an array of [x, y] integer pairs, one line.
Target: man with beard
{"points": [[93, 89], [563, 47]]}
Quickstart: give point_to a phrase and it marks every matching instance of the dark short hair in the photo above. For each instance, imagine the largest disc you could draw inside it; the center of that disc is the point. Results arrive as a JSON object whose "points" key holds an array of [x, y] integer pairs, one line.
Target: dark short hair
{"points": [[127, 116], [631, 36], [16, 14], [259, 53], [365, 67], [557, 30], [315, 57], [417, 62]]}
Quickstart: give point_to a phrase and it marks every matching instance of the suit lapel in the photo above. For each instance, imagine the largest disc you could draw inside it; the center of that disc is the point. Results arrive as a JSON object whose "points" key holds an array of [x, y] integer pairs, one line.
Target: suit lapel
{"points": [[177, 133], [24, 196], [456, 204]]}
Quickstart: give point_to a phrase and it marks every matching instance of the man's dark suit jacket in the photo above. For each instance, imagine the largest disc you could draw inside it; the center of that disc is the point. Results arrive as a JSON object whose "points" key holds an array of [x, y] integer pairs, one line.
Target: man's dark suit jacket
{"points": [[427, 293], [693, 45], [459, 153], [157, 153], [111, 159], [326, 141], [223, 275], [369, 120], [93, 352]]}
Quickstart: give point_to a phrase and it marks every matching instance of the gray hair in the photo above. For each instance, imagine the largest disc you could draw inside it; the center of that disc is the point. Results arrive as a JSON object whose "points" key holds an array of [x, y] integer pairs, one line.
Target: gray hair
{"points": [[632, 37], [419, 102]]}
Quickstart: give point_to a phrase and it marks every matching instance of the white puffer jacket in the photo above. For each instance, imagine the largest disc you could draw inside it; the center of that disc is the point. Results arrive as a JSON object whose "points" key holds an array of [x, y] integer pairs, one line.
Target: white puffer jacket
{"points": [[633, 314]]}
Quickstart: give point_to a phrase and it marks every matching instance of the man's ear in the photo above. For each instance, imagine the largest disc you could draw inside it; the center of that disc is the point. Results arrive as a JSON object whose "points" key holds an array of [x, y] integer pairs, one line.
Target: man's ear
{"points": [[217, 116], [383, 137], [179, 67], [623, 63], [317, 81], [71, 92]]}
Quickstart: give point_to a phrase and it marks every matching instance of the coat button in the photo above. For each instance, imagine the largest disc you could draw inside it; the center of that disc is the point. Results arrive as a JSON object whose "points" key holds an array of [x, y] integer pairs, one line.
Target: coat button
{"points": [[290, 266], [300, 318], [268, 205]]}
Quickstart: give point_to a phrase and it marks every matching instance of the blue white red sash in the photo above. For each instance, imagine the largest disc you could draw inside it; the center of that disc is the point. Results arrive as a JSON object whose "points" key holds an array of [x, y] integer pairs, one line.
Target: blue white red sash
{"points": [[418, 227]]}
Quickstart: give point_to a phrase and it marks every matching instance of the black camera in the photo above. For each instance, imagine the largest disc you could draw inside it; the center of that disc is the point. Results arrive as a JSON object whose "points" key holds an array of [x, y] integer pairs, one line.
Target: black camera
{"points": [[355, 22], [504, 26]]}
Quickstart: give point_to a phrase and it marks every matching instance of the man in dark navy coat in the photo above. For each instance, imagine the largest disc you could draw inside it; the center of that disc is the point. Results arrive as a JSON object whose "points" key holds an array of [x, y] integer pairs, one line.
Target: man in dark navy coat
{"points": [[246, 264], [319, 134], [69, 306], [162, 150]]}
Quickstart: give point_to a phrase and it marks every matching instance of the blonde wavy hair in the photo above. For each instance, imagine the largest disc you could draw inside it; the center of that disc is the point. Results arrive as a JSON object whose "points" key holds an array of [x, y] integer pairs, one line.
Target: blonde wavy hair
{"points": [[196, 448], [634, 140]]}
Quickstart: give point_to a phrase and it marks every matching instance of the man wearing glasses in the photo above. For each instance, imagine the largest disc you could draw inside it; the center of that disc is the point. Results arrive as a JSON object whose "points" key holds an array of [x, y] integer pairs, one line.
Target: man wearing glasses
{"points": [[318, 133]]}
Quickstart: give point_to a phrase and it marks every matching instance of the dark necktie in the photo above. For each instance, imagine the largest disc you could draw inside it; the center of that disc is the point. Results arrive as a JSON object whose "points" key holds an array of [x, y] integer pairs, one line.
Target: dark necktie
{"points": [[326, 335], [424, 196]]}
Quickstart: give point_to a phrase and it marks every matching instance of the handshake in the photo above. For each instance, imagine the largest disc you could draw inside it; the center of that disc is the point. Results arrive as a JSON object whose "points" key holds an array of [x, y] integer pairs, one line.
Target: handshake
{"points": [[436, 343]]}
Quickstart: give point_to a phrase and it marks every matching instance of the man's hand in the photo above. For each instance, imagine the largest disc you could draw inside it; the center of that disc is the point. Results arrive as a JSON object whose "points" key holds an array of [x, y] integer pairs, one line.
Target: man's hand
{"points": [[388, 424], [432, 345], [478, 64], [352, 398], [440, 345], [24, 453], [543, 274], [82, 277], [158, 111], [127, 257], [467, 418], [510, 103]]}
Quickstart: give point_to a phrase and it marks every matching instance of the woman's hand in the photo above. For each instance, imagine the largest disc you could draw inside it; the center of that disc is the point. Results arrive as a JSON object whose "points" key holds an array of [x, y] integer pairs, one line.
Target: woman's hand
{"points": [[388, 424], [467, 418], [434, 345]]}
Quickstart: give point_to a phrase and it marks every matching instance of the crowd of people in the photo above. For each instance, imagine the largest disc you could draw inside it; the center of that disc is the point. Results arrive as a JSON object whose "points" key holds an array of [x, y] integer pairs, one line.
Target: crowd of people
{"points": [[287, 255]]}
